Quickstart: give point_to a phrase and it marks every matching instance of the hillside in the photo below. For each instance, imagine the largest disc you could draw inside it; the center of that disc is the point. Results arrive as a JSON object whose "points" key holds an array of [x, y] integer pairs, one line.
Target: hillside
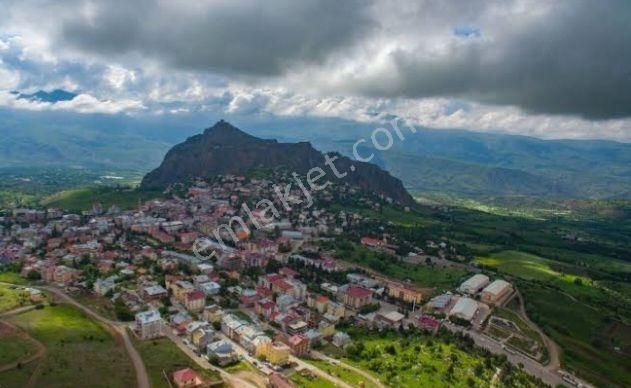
{"points": [[224, 149]]}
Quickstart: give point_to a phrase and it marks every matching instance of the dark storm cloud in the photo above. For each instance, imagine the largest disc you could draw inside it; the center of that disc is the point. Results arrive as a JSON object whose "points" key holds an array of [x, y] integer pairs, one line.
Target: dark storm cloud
{"points": [[574, 60], [251, 37]]}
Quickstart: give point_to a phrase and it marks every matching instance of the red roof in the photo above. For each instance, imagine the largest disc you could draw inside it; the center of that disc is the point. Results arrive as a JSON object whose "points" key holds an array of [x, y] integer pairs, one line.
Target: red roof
{"points": [[195, 295], [358, 292], [280, 283], [371, 242], [297, 339], [322, 299], [184, 375]]}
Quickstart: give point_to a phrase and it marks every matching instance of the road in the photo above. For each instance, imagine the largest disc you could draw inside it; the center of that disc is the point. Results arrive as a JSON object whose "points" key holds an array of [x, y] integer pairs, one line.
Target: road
{"points": [[531, 366], [554, 351], [203, 363], [142, 377], [41, 349], [319, 372], [118, 328], [321, 356]]}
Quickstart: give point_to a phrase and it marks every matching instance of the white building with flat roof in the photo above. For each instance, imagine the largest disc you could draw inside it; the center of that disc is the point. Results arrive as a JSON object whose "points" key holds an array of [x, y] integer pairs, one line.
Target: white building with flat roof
{"points": [[465, 309], [474, 284], [149, 324]]}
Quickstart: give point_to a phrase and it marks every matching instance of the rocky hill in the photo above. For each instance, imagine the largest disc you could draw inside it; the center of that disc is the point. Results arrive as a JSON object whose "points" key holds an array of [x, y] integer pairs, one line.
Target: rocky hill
{"points": [[224, 149]]}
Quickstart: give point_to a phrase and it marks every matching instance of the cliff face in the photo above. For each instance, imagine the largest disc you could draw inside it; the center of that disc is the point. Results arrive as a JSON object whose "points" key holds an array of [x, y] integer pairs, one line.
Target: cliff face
{"points": [[224, 149]]}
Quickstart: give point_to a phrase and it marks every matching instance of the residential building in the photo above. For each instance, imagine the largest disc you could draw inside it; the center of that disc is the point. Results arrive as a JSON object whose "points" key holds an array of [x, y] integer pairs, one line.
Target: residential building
{"points": [[186, 378], [195, 301], [357, 297], [148, 324]]}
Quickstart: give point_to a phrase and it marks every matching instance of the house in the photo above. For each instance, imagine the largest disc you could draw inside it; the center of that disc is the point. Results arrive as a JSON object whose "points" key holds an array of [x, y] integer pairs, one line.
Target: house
{"points": [[148, 324], [496, 292], [340, 339], [155, 292], [427, 323], [202, 336], [210, 288], [229, 326], [404, 293], [221, 353], [357, 297], [392, 319], [248, 297], [195, 301], [212, 313], [186, 378], [278, 353], [474, 284], [103, 286], [299, 345], [298, 327]]}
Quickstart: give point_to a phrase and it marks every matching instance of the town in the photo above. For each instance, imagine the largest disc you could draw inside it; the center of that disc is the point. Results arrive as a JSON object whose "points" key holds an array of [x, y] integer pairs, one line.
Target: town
{"points": [[274, 298]]}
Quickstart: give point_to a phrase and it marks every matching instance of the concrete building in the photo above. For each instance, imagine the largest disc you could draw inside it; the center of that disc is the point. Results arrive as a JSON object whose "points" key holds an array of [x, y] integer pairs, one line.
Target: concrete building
{"points": [[148, 324], [465, 309], [357, 297], [496, 291], [474, 284]]}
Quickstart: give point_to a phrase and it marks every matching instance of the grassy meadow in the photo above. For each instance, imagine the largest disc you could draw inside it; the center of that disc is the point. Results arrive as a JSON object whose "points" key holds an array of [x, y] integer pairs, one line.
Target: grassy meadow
{"points": [[78, 350], [163, 355]]}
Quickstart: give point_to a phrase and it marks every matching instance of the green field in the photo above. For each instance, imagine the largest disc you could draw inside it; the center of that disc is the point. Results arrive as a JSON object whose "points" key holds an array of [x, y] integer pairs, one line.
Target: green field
{"points": [[83, 198], [12, 298], [13, 278], [420, 275], [405, 360], [78, 350], [304, 380], [348, 376], [576, 312], [14, 348], [163, 355]]}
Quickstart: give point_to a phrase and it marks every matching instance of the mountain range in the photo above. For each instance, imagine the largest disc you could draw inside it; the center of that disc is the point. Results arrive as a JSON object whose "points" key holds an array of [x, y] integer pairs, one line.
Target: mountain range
{"points": [[458, 162], [224, 149]]}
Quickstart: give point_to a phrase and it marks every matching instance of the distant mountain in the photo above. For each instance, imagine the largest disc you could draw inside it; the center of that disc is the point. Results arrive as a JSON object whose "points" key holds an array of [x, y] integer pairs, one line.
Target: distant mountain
{"points": [[54, 96], [224, 149], [458, 162]]}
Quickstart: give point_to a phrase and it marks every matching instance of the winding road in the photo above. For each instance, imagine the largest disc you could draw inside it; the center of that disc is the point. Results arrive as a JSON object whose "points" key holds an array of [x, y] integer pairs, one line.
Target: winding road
{"points": [[117, 328]]}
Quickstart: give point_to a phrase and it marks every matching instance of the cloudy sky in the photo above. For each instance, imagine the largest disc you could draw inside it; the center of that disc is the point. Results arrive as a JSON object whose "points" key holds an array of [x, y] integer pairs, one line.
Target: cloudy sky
{"points": [[551, 69]]}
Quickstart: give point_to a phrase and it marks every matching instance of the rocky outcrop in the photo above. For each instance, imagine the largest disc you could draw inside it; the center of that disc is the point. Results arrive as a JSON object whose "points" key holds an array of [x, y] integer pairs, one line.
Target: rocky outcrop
{"points": [[224, 149]]}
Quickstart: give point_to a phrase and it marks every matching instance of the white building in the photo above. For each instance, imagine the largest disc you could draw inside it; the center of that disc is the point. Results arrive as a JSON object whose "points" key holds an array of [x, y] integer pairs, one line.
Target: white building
{"points": [[465, 309], [474, 284], [149, 324]]}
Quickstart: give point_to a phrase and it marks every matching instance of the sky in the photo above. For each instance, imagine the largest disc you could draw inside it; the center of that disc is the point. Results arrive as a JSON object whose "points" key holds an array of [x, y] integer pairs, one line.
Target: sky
{"points": [[549, 69]]}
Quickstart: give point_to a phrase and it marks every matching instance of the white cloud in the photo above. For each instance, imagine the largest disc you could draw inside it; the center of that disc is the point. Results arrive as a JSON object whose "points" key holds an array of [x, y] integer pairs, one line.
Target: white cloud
{"points": [[83, 103]]}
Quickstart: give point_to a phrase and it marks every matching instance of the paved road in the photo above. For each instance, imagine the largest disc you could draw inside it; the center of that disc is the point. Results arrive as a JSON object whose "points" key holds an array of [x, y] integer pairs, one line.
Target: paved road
{"points": [[533, 367], [347, 366]]}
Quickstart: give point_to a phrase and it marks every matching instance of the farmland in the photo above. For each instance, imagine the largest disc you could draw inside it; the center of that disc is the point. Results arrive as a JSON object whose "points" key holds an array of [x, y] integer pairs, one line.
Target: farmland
{"points": [[575, 311]]}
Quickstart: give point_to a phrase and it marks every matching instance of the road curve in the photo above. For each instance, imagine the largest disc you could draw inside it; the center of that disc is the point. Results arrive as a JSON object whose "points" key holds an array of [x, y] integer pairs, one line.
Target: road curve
{"points": [[142, 377], [554, 351]]}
